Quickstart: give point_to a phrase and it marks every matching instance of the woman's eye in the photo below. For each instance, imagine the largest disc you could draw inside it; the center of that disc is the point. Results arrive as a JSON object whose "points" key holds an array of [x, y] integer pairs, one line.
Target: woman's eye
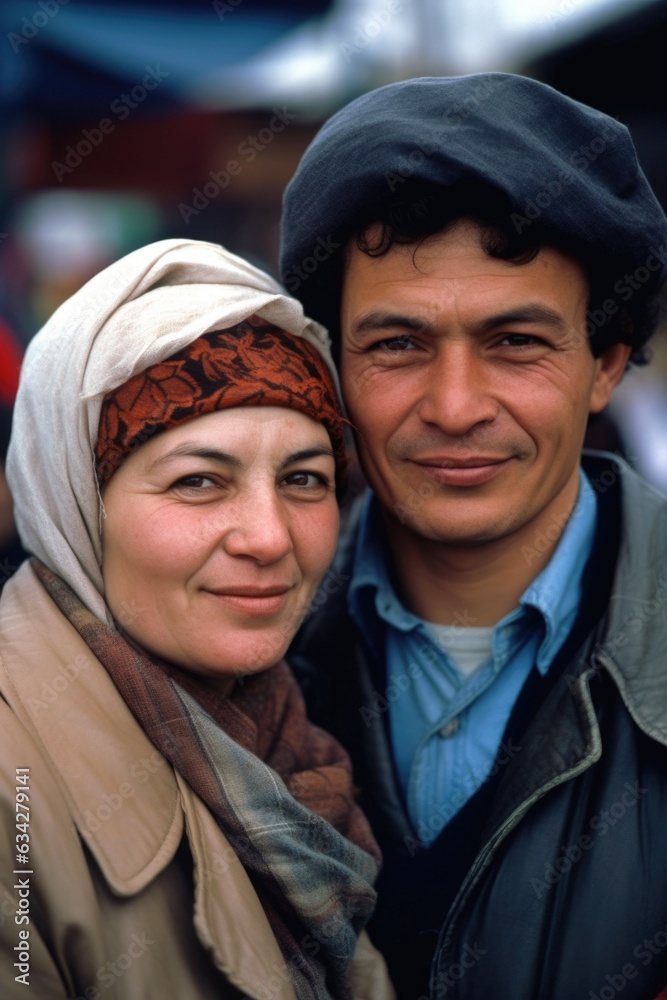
{"points": [[193, 483], [306, 480]]}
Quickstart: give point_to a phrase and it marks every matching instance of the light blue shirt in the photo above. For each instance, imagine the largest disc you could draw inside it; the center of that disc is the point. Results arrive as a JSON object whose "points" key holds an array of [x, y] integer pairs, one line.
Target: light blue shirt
{"points": [[446, 729]]}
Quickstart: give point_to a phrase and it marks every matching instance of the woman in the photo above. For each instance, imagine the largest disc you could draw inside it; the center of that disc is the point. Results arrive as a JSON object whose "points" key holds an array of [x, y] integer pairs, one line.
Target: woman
{"points": [[172, 824]]}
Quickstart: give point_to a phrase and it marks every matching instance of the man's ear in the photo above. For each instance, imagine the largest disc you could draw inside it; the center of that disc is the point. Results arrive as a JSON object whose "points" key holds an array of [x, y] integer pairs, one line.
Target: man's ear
{"points": [[610, 367]]}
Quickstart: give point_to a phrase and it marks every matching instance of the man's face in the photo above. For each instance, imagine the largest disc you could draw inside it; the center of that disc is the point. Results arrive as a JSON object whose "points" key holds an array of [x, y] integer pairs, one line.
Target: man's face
{"points": [[469, 381]]}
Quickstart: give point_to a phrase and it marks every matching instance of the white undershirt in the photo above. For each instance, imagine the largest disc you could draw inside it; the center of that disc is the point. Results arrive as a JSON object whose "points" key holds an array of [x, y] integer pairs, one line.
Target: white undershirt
{"points": [[468, 647]]}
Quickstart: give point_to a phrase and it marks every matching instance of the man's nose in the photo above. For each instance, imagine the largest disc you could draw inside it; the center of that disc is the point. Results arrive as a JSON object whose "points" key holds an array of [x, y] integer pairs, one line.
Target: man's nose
{"points": [[458, 392], [260, 528]]}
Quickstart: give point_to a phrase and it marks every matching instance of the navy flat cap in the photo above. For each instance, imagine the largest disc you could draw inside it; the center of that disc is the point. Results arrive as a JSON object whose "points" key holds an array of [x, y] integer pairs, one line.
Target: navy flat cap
{"points": [[559, 161]]}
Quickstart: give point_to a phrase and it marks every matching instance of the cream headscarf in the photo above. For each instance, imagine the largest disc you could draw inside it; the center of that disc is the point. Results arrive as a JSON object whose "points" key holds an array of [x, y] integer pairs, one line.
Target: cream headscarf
{"points": [[135, 313]]}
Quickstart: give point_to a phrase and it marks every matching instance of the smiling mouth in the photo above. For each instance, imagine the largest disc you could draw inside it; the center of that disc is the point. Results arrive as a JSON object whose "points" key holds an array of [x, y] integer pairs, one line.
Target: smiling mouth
{"points": [[253, 600], [473, 471], [458, 462], [252, 591]]}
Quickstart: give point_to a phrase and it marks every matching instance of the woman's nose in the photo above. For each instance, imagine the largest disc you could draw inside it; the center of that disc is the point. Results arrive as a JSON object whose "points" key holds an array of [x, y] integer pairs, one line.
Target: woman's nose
{"points": [[260, 528]]}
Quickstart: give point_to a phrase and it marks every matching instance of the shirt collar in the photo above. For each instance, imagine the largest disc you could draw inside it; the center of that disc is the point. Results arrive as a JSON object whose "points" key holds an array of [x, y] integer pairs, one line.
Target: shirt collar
{"points": [[555, 593], [371, 590]]}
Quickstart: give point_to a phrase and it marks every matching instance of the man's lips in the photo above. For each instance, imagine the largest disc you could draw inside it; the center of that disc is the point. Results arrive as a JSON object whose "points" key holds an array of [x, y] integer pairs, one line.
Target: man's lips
{"points": [[473, 461], [456, 471]]}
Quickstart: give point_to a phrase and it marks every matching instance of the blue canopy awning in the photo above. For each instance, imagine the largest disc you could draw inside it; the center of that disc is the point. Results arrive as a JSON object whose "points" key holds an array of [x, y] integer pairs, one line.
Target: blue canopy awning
{"points": [[62, 60]]}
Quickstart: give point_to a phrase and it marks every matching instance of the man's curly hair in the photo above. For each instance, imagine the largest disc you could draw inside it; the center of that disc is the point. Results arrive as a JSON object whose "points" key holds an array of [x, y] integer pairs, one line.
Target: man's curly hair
{"points": [[423, 209]]}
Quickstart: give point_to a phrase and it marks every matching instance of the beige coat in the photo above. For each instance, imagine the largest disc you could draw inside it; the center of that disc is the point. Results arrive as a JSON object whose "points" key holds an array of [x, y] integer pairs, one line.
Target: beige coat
{"points": [[108, 897]]}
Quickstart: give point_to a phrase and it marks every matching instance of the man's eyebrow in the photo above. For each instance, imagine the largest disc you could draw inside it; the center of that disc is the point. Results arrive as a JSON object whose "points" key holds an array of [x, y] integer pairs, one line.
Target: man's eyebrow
{"points": [[189, 451], [533, 312], [384, 321]]}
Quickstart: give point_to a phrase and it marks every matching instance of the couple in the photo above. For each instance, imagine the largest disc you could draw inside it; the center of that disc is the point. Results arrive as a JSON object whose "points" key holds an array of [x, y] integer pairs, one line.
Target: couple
{"points": [[177, 456]]}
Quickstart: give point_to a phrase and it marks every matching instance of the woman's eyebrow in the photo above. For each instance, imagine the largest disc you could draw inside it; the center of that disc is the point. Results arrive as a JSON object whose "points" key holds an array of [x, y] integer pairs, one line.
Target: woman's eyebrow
{"points": [[306, 453], [190, 451]]}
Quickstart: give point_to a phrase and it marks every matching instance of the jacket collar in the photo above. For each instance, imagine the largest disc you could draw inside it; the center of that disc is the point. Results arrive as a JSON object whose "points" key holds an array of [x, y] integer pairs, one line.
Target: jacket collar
{"points": [[124, 793], [633, 645]]}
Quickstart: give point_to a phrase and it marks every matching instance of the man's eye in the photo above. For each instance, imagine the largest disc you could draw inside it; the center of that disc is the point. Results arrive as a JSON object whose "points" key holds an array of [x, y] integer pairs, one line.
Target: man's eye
{"points": [[395, 344], [520, 340]]}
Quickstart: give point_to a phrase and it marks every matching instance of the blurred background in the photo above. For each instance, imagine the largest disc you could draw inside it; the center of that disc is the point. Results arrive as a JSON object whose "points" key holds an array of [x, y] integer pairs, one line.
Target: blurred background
{"points": [[123, 123]]}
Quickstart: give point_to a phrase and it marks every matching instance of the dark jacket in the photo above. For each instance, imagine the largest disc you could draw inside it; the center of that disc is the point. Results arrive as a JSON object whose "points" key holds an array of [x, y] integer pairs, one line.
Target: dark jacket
{"points": [[552, 881]]}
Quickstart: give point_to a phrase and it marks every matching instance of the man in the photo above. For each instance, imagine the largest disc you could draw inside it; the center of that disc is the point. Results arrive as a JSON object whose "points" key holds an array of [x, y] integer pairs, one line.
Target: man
{"points": [[487, 254]]}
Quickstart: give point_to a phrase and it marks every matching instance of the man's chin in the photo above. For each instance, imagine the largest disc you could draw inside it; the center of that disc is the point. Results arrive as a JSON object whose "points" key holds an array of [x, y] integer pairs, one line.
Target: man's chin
{"points": [[454, 531]]}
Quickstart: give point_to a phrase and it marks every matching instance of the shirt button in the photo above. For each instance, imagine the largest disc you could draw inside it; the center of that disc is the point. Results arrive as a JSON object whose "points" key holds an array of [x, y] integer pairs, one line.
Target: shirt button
{"points": [[449, 728]]}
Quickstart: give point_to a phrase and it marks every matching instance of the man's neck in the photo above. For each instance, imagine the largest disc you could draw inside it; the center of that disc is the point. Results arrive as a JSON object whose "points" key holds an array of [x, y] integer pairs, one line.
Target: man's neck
{"points": [[474, 584]]}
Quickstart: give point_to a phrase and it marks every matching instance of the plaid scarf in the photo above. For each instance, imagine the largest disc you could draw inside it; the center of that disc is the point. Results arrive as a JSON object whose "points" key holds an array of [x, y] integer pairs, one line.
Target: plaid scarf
{"points": [[279, 787]]}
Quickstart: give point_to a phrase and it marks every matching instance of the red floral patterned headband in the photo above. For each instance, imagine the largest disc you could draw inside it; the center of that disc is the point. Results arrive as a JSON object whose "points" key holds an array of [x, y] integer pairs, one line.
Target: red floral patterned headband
{"points": [[252, 364]]}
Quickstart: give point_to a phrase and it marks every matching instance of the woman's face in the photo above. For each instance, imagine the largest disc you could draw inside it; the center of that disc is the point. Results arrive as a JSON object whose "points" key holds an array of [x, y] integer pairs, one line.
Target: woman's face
{"points": [[217, 533]]}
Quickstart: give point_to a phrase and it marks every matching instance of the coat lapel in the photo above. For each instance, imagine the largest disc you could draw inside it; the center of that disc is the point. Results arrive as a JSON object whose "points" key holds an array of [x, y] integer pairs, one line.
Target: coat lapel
{"points": [[128, 804]]}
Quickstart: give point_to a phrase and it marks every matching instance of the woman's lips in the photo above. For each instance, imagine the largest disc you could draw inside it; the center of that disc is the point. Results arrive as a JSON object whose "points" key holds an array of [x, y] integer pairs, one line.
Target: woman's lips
{"points": [[253, 600], [466, 472]]}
